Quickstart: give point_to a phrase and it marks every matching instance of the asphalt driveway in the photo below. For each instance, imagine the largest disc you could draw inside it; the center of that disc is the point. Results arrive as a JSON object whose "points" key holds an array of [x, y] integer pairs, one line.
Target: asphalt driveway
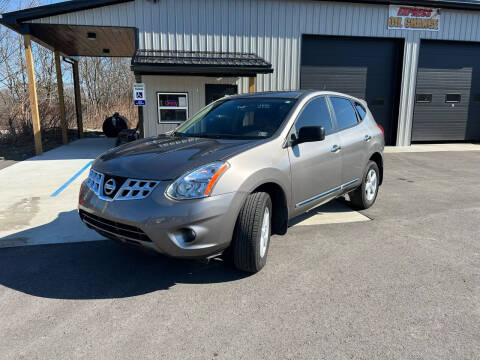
{"points": [[405, 285]]}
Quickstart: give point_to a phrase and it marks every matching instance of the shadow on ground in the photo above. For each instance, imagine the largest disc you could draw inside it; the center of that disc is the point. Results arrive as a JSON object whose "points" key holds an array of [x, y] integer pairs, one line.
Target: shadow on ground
{"points": [[101, 270]]}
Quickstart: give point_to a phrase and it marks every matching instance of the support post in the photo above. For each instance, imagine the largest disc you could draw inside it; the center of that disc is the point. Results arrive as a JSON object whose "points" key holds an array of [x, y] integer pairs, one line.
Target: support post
{"points": [[32, 91], [140, 125], [78, 99], [251, 84], [61, 100]]}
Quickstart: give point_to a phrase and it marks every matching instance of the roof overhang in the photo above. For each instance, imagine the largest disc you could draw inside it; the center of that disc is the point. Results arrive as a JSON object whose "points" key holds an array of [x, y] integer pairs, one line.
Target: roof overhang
{"points": [[14, 19], [446, 4], [80, 40], [198, 63]]}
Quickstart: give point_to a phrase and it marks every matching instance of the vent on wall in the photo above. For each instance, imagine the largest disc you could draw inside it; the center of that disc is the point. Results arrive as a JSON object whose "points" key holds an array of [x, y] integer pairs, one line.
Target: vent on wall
{"points": [[453, 98], [424, 98]]}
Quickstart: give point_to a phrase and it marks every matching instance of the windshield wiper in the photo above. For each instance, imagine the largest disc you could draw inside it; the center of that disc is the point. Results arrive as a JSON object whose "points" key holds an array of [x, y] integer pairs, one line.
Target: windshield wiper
{"points": [[225, 136], [179, 134]]}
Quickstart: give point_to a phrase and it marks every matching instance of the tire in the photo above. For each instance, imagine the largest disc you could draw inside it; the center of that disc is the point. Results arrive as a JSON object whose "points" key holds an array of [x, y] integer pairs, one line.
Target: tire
{"points": [[248, 253], [360, 198]]}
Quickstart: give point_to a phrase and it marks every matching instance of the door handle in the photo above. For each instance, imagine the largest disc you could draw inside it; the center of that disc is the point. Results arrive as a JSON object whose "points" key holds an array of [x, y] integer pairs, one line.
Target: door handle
{"points": [[367, 138], [335, 148]]}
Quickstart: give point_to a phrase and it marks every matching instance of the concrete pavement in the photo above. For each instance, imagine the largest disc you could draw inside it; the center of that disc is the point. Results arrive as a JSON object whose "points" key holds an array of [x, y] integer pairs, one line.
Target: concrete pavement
{"points": [[405, 285], [29, 214]]}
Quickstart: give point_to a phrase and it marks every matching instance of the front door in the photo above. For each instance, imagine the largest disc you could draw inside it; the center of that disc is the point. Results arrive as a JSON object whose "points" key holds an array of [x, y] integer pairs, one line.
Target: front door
{"points": [[315, 166], [217, 91]]}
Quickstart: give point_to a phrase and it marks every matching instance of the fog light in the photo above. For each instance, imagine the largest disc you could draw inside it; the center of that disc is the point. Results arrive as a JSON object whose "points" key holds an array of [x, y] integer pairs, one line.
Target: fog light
{"points": [[188, 235]]}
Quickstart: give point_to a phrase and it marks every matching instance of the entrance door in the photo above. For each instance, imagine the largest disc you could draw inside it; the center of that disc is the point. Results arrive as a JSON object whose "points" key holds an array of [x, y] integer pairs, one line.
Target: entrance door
{"points": [[315, 166], [217, 91]]}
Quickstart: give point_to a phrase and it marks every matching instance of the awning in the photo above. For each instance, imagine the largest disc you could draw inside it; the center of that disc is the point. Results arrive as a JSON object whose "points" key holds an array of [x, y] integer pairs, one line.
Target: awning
{"points": [[199, 63]]}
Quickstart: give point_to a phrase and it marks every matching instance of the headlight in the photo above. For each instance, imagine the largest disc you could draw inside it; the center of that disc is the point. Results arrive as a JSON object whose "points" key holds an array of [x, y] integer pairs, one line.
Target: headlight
{"points": [[198, 183]]}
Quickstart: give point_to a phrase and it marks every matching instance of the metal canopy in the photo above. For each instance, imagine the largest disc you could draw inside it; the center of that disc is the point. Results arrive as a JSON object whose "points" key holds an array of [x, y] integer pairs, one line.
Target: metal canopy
{"points": [[80, 40], [201, 63], [15, 18]]}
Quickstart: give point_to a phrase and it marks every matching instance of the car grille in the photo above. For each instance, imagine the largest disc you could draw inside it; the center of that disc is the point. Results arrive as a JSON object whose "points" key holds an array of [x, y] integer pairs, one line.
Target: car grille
{"points": [[114, 229], [123, 188]]}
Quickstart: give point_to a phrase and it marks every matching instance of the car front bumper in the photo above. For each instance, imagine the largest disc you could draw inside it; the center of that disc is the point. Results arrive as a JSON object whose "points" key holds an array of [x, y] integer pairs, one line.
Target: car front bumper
{"points": [[167, 225]]}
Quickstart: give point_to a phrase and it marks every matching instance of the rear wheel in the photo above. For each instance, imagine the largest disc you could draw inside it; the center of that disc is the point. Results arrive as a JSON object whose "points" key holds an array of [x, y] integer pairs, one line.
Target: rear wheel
{"points": [[365, 195], [251, 236]]}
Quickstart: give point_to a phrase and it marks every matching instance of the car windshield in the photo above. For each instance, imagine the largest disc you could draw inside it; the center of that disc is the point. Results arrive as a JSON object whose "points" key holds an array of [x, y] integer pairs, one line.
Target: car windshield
{"points": [[238, 118]]}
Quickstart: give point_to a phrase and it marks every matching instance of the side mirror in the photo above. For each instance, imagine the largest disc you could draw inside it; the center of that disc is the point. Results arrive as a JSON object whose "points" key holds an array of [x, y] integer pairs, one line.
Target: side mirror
{"points": [[310, 134]]}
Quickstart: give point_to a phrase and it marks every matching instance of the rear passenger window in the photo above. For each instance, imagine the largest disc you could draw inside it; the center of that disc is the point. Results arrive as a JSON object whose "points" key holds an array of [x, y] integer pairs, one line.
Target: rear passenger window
{"points": [[344, 112], [360, 110], [315, 113]]}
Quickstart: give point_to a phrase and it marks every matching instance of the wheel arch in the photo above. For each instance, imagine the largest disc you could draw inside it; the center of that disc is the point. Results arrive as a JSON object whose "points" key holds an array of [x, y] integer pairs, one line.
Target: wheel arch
{"points": [[378, 159], [279, 206]]}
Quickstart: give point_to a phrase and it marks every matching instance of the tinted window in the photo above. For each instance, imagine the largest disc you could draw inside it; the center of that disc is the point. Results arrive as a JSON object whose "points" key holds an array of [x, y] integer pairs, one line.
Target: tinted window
{"points": [[315, 113], [361, 110], [344, 112]]}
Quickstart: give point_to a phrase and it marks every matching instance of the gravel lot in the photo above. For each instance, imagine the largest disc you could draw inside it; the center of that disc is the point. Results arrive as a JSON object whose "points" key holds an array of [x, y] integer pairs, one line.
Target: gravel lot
{"points": [[403, 286]]}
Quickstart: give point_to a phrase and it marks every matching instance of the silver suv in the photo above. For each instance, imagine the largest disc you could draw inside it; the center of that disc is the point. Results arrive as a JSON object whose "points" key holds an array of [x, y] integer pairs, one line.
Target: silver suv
{"points": [[235, 173]]}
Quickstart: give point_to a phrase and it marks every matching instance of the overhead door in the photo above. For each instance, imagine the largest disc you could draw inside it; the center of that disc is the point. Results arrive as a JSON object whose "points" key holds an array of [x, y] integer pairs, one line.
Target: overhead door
{"points": [[447, 99], [367, 68]]}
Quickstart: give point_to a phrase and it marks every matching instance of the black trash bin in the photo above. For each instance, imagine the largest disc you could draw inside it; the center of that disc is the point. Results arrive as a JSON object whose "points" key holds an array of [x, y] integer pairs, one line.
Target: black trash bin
{"points": [[114, 124]]}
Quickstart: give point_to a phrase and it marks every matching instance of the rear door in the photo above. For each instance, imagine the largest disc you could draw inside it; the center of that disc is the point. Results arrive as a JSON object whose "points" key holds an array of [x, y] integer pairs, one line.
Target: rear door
{"points": [[353, 140], [315, 166]]}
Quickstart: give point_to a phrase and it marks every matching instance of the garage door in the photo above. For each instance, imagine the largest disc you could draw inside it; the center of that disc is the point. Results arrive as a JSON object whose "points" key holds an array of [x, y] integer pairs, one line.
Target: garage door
{"points": [[365, 68], [447, 99]]}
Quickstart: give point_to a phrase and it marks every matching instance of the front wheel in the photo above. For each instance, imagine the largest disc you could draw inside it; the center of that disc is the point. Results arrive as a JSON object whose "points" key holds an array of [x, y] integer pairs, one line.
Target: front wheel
{"points": [[365, 195], [251, 236]]}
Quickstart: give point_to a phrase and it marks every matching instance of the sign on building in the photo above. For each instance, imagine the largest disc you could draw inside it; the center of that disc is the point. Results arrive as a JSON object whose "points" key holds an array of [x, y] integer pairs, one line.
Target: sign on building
{"points": [[139, 94], [413, 18]]}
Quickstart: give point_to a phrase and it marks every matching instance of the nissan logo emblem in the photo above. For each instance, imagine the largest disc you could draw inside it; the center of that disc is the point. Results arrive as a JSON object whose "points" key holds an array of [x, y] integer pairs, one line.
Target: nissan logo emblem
{"points": [[109, 187]]}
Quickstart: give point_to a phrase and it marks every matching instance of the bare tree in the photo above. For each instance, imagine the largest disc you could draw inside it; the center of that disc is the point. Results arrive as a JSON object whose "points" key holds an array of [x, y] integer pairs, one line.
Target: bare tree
{"points": [[105, 85]]}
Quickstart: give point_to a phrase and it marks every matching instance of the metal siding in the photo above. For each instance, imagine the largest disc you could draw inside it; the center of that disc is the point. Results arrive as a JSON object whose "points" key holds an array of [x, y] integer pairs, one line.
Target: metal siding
{"points": [[273, 29]]}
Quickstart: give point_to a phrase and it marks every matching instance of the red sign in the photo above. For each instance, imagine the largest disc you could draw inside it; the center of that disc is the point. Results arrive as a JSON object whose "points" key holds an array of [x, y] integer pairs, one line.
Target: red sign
{"points": [[415, 12]]}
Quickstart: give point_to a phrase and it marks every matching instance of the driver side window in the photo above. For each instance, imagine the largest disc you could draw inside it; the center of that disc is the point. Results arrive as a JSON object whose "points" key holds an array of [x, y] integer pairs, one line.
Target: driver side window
{"points": [[315, 113]]}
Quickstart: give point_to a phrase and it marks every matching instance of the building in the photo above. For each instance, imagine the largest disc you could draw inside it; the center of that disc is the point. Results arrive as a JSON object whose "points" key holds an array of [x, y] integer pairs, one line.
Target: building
{"points": [[417, 63]]}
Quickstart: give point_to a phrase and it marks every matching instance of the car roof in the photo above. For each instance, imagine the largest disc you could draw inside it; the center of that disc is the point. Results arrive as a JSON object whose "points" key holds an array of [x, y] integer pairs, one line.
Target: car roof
{"points": [[273, 94], [291, 94]]}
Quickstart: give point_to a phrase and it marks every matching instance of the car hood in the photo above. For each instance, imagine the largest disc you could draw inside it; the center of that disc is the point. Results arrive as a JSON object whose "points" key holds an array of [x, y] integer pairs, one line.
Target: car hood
{"points": [[167, 157]]}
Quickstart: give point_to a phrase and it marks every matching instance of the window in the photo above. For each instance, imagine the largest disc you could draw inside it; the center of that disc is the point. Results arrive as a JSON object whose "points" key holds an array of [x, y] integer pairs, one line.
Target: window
{"points": [[360, 110], [315, 113], [344, 112], [453, 98], [172, 107], [424, 98]]}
